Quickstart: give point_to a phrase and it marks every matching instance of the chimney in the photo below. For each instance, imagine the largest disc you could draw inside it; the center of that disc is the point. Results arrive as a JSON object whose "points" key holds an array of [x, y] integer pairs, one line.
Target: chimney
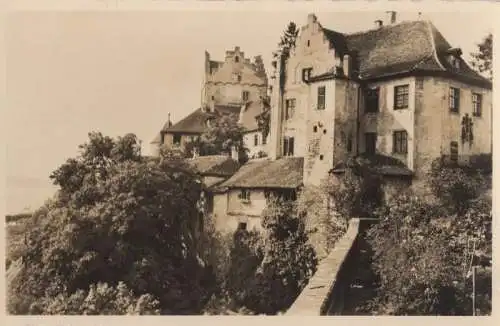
{"points": [[346, 65], [311, 19], [392, 17], [276, 104], [378, 23], [234, 153]]}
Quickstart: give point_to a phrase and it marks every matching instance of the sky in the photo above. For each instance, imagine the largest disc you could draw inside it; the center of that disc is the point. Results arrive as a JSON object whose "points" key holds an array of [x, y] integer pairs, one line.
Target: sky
{"points": [[69, 73]]}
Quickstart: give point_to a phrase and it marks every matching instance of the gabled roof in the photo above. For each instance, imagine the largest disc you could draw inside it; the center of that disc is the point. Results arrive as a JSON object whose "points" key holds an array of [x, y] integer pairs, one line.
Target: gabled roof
{"points": [[411, 46], [214, 165], [196, 121], [286, 172]]}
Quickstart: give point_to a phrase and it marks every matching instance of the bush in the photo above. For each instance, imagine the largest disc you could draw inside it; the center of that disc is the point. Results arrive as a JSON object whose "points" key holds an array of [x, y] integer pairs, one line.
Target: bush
{"points": [[100, 299], [323, 225], [422, 256], [454, 185], [288, 260]]}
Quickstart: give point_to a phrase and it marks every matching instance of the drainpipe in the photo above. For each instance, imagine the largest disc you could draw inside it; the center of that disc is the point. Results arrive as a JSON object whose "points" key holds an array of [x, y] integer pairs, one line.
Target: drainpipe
{"points": [[358, 136]]}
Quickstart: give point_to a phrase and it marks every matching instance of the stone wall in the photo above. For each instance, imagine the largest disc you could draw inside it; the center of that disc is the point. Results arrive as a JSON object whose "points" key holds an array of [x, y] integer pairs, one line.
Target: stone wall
{"points": [[319, 294]]}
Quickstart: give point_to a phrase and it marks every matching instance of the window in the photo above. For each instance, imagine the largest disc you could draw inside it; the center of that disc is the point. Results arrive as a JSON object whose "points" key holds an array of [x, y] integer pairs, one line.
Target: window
{"points": [[349, 143], [177, 139], [242, 226], [315, 129], [244, 195], [308, 43], [476, 104], [370, 142], [401, 97], [454, 99], [239, 78], [236, 59], [321, 97], [400, 142], [454, 151], [321, 157], [372, 100], [289, 108], [306, 74], [288, 143], [256, 140], [245, 95]]}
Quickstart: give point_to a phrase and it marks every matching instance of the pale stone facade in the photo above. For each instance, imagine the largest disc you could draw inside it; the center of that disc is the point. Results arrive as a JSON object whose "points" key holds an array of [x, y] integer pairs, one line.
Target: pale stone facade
{"points": [[229, 87], [415, 134]]}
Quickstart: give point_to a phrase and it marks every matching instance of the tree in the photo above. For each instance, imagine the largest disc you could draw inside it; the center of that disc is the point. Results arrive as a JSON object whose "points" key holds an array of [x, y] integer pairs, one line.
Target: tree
{"points": [[118, 217], [264, 119], [483, 58], [223, 134], [287, 41], [288, 260]]}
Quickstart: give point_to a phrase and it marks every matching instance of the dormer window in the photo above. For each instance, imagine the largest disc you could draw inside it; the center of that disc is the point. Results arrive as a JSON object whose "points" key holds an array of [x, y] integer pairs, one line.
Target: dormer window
{"points": [[236, 59], [454, 61]]}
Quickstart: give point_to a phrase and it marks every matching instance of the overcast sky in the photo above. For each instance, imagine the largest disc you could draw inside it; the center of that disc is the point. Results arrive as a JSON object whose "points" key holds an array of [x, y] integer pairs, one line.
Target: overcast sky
{"points": [[71, 73]]}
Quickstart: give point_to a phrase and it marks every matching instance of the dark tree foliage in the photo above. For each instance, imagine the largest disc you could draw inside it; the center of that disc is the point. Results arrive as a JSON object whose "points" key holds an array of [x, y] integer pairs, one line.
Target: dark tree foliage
{"points": [[482, 59], [118, 217], [288, 260], [264, 119], [223, 134]]}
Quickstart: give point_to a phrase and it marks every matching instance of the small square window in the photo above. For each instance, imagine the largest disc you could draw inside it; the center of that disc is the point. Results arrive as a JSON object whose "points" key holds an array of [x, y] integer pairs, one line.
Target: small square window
{"points": [[321, 98], [400, 142], [242, 226], [401, 97], [177, 139], [454, 151], [476, 104], [306, 74], [245, 95], [244, 195], [454, 99], [372, 100]]}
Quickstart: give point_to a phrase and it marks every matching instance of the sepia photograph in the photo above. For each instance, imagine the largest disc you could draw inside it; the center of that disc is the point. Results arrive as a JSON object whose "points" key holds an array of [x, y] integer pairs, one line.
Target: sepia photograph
{"points": [[258, 162]]}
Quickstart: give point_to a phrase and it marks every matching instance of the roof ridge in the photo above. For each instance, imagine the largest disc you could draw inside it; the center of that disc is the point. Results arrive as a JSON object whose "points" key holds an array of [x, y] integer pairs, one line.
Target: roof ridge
{"points": [[430, 27], [403, 22]]}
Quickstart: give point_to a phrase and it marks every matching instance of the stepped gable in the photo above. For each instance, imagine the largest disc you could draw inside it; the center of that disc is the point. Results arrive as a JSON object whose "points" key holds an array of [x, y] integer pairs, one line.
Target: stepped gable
{"points": [[407, 47]]}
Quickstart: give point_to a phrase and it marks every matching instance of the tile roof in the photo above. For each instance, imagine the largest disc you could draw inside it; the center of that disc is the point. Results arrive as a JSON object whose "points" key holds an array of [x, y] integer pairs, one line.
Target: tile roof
{"points": [[383, 164], [219, 165], [411, 46], [248, 114], [196, 121], [286, 172]]}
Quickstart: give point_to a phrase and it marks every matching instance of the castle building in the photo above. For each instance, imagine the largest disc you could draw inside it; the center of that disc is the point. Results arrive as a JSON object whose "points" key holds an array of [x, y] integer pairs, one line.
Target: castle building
{"points": [[399, 91], [233, 86]]}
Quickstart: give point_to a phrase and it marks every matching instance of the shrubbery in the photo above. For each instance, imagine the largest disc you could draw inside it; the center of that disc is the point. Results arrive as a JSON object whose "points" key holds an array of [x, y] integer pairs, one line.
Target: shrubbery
{"points": [[424, 250]]}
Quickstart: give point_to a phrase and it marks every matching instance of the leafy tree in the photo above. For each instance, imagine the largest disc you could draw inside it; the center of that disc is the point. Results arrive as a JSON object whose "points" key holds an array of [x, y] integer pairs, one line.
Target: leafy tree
{"points": [[288, 40], [288, 260], [358, 191], [223, 134], [118, 217], [483, 58]]}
